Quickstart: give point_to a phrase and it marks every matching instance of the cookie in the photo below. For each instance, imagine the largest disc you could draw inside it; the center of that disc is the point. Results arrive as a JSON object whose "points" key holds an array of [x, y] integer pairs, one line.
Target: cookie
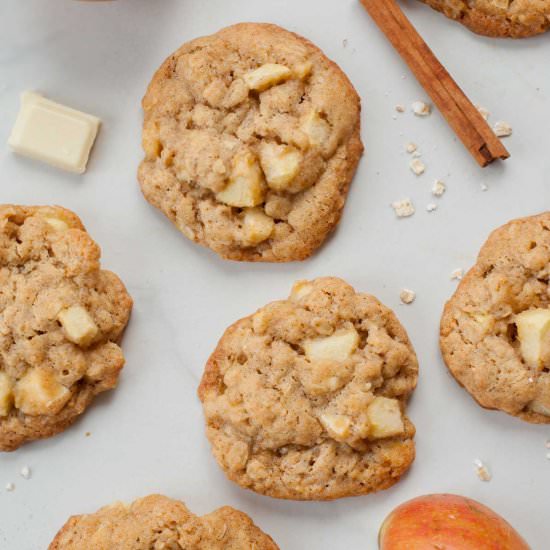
{"points": [[157, 522], [306, 398], [61, 317], [498, 18], [495, 330], [251, 139]]}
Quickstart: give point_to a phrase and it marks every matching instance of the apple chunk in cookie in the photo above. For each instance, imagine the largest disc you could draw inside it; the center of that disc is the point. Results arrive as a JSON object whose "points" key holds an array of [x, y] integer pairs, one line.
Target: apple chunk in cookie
{"points": [[495, 330], [61, 318], [252, 117], [305, 399]]}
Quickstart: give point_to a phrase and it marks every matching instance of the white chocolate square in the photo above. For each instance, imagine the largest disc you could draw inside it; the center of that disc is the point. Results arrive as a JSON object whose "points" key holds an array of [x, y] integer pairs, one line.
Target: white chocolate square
{"points": [[78, 324], [55, 134]]}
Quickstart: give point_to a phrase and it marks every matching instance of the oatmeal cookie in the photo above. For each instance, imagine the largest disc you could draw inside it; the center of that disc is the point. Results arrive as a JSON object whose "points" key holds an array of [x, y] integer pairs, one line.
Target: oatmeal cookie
{"points": [[495, 330], [498, 18], [251, 139], [157, 522], [306, 398], [61, 317]]}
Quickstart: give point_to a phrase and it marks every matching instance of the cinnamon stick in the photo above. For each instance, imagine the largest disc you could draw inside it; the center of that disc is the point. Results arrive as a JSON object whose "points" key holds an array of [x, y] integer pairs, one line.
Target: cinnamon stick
{"points": [[463, 117]]}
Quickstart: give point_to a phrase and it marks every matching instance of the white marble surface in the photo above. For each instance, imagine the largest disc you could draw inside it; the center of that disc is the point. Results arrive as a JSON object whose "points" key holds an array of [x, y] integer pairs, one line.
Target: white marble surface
{"points": [[147, 436]]}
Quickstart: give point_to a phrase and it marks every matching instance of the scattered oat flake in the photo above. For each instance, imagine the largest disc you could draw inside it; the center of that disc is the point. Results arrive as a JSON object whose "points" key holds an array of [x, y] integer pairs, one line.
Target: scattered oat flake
{"points": [[431, 207], [483, 112], [482, 471], [10, 487], [457, 274], [417, 166], [403, 208], [26, 472], [410, 147], [502, 129], [400, 108], [420, 108], [407, 296], [438, 188]]}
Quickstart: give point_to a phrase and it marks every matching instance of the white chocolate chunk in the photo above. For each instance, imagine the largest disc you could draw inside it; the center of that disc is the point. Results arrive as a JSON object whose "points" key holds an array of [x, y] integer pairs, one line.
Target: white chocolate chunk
{"points": [[300, 289], [280, 164], [57, 224], [246, 187], [502, 4], [266, 76], [316, 128], [38, 392], [257, 226], [6, 394], [534, 336], [337, 425], [303, 70], [403, 208], [55, 134], [78, 325], [420, 108], [540, 407], [385, 418], [502, 129], [438, 188], [337, 347], [417, 166]]}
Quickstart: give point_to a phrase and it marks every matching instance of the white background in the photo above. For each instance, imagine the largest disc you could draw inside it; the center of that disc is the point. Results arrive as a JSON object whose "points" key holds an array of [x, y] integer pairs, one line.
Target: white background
{"points": [[147, 436]]}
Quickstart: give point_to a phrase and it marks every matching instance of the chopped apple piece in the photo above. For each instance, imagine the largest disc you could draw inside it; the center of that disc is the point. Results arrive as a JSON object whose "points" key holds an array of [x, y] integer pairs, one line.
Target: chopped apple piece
{"points": [[257, 225], [534, 336], [280, 164], [266, 76], [6, 394], [246, 187], [337, 347], [316, 128], [38, 392], [385, 418], [337, 425], [300, 290], [78, 325]]}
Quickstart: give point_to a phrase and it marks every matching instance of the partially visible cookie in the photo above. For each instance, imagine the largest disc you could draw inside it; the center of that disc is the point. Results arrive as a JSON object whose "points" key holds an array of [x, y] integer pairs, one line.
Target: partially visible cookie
{"points": [[498, 18], [306, 398], [251, 139], [159, 523], [61, 317], [495, 330]]}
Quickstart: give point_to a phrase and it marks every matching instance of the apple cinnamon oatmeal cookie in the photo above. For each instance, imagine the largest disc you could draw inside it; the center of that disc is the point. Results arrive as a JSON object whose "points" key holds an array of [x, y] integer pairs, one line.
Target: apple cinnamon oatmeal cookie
{"points": [[251, 139], [306, 398], [157, 522], [498, 18], [495, 330], [61, 317]]}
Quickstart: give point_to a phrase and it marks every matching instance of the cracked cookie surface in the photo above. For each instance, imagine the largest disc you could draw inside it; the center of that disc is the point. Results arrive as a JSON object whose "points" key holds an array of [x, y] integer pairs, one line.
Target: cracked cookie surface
{"points": [[61, 317], [495, 330], [498, 18], [306, 398], [251, 139], [159, 523]]}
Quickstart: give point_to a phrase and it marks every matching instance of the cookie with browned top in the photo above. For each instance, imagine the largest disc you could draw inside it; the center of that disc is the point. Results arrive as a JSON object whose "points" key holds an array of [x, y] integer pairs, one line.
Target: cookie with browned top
{"points": [[61, 317], [495, 330], [251, 139], [157, 522], [306, 398], [498, 18]]}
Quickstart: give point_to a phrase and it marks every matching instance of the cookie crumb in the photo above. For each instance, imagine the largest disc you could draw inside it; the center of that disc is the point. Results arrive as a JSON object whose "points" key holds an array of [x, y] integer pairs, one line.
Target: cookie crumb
{"points": [[25, 472], [403, 208], [410, 147], [502, 129], [88, 434], [431, 207], [419, 108], [482, 471], [417, 166], [10, 487], [407, 296], [457, 274], [483, 112], [438, 188], [400, 108]]}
